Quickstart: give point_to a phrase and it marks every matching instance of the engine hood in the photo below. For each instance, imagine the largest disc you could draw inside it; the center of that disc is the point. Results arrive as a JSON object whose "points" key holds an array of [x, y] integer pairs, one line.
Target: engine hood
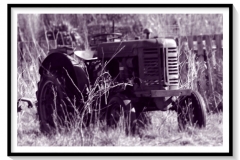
{"points": [[124, 48]]}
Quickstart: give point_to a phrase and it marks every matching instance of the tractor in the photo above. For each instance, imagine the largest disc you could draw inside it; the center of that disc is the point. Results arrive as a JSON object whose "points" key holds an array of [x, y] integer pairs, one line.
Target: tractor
{"points": [[145, 73]]}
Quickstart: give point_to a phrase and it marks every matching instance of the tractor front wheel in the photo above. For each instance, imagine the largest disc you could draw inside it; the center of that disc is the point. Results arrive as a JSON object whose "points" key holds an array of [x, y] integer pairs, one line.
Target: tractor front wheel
{"points": [[121, 112], [191, 111]]}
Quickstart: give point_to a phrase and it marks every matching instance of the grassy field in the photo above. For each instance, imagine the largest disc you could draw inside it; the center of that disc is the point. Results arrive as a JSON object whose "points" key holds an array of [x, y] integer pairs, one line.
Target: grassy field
{"points": [[163, 131]]}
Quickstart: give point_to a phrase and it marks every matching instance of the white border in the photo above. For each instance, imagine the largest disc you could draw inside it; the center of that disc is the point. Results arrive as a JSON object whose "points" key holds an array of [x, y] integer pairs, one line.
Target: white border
{"points": [[169, 10]]}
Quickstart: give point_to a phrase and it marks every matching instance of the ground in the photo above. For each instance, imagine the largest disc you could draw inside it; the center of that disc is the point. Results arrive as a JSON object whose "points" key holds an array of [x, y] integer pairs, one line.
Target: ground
{"points": [[163, 131]]}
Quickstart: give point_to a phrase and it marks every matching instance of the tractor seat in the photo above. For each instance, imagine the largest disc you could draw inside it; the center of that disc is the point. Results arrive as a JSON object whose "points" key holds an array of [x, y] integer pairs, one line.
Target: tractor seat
{"points": [[65, 49]]}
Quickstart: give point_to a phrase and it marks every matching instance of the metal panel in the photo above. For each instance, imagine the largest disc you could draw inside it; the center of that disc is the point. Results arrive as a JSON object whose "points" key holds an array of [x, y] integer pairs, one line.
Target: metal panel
{"points": [[168, 93], [163, 93]]}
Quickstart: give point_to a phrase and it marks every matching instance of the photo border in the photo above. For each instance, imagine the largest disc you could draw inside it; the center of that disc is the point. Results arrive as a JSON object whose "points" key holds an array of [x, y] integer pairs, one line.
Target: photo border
{"points": [[9, 25]]}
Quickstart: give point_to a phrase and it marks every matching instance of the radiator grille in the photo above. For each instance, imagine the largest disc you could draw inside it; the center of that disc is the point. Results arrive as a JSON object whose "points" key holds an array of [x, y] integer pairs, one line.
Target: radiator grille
{"points": [[151, 66], [172, 66]]}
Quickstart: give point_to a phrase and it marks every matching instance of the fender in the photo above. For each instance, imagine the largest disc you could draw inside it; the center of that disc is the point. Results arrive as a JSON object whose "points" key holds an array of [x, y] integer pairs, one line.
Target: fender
{"points": [[57, 61]]}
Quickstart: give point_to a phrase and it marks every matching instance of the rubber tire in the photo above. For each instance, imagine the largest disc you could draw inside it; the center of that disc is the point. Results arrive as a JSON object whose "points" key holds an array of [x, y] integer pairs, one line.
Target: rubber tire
{"points": [[129, 114], [196, 113], [45, 119]]}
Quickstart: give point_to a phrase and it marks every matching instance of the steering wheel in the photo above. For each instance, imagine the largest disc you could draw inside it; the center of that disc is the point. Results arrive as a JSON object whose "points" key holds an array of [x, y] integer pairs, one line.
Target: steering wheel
{"points": [[105, 36], [118, 35]]}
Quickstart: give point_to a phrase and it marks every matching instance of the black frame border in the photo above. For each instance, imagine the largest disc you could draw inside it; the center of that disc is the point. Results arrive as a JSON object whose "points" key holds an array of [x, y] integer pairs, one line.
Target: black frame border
{"points": [[229, 6]]}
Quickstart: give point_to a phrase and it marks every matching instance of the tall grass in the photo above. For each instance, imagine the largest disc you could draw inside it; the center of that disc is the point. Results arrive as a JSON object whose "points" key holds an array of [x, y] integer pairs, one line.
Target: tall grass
{"points": [[162, 132]]}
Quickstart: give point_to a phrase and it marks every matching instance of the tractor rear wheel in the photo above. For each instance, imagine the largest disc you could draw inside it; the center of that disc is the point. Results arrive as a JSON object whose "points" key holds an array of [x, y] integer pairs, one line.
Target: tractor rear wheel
{"points": [[50, 102], [57, 99], [191, 111]]}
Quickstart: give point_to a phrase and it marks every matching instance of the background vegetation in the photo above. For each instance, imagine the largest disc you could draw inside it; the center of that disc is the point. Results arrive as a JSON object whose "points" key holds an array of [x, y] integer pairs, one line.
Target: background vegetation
{"points": [[163, 130]]}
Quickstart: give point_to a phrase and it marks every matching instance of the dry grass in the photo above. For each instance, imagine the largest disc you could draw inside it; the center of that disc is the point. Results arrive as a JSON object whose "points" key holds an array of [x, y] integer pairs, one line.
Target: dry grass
{"points": [[162, 132]]}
